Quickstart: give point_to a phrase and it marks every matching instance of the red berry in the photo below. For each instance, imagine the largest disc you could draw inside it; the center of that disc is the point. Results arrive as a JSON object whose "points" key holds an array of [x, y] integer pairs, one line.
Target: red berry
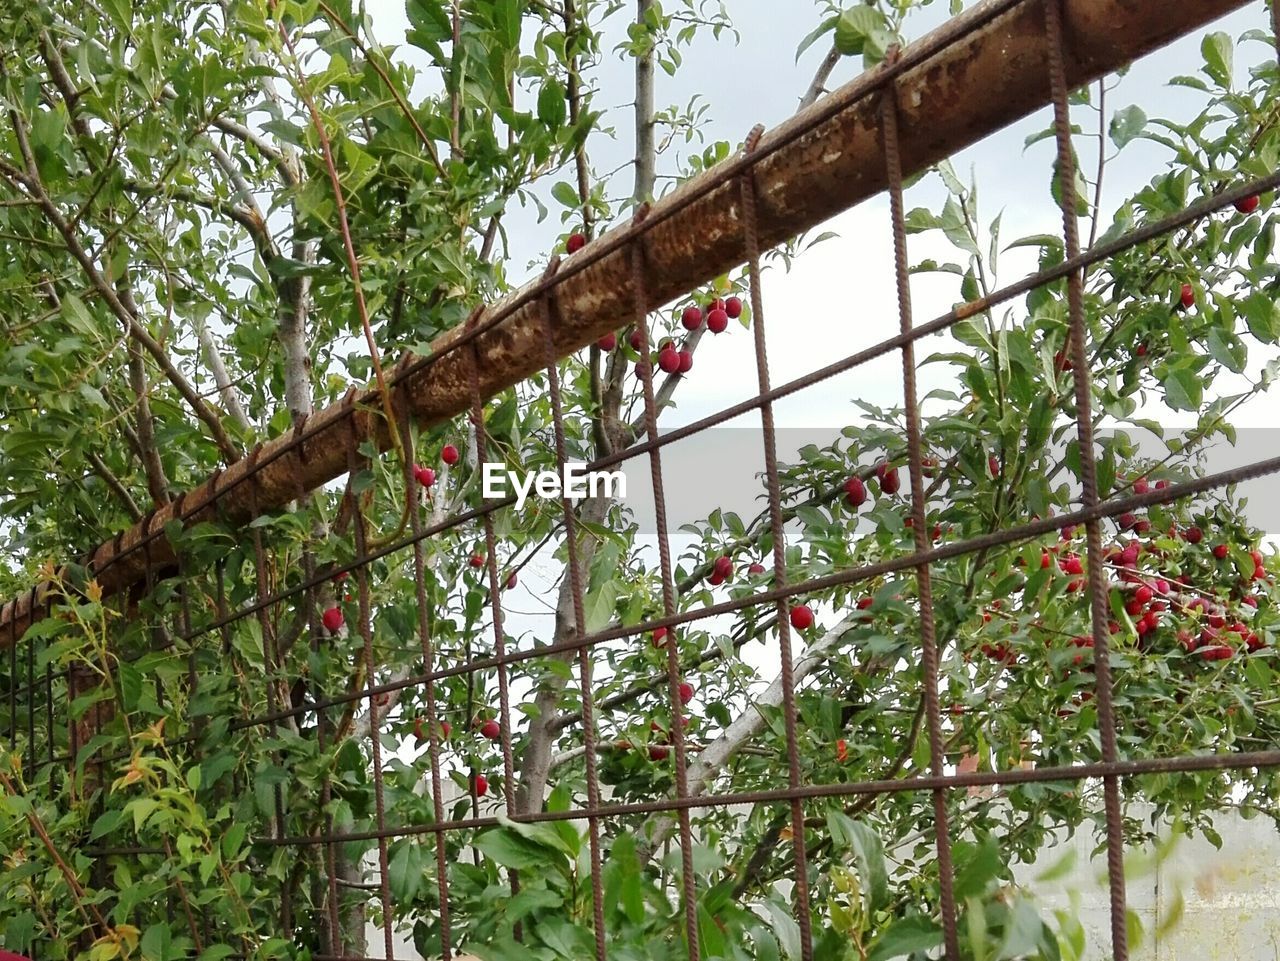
{"points": [[890, 481], [724, 565], [755, 569], [1143, 594], [715, 304], [659, 637], [669, 360], [425, 475], [717, 321], [1073, 565], [1259, 573], [1257, 558], [636, 340], [482, 785], [715, 580], [1062, 361], [1188, 296], [477, 560], [801, 617], [1221, 551], [996, 652], [1142, 526], [993, 465], [1218, 652], [842, 751], [1126, 521], [1247, 205], [691, 318], [865, 602], [575, 243], [512, 580], [445, 728], [1194, 535], [449, 454], [855, 491], [733, 307], [1142, 350], [608, 342], [491, 729], [332, 619], [686, 361], [1045, 561], [1140, 486], [1161, 484], [1250, 600], [686, 692], [658, 753], [1133, 607]]}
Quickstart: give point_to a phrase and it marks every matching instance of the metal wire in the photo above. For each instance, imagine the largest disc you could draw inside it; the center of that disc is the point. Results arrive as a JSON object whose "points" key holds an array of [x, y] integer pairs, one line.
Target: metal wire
{"points": [[924, 582], [676, 729], [750, 223]]}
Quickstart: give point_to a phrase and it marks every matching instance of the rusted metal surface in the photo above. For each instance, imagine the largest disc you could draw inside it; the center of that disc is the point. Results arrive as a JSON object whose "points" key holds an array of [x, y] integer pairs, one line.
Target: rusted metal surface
{"points": [[980, 72]]}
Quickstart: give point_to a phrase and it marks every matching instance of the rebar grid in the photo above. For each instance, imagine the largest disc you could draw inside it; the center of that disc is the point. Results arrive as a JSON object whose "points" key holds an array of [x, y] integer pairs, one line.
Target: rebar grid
{"points": [[375, 694]]}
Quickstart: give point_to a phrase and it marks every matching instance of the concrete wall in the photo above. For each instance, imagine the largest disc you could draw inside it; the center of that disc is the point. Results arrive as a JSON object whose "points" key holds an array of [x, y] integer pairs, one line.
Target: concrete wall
{"points": [[1230, 898]]}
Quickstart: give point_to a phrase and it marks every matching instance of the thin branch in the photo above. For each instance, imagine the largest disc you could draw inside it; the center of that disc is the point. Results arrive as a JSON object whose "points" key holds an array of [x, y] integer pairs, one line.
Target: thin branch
{"points": [[391, 87], [646, 155], [1102, 160], [30, 183], [818, 86], [117, 487]]}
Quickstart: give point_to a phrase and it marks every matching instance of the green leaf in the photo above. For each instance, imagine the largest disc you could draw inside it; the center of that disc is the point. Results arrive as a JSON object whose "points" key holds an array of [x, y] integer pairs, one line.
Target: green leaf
{"points": [[513, 851], [1218, 53], [785, 928], [1183, 389], [824, 27], [565, 193], [405, 870], [552, 108], [906, 936], [1226, 350], [982, 866], [600, 606], [1127, 125], [157, 943], [868, 851], [854, 26]]}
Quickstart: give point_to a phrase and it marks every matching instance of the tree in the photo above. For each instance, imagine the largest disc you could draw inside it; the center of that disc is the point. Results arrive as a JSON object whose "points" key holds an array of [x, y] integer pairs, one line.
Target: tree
{"points": [[218, 216]]}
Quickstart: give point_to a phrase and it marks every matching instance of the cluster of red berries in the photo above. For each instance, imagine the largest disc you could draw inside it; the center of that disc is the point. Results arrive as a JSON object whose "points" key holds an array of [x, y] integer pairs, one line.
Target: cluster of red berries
{"points": [[679, 360], [426, 476], [1153, 598], [660, 737]]}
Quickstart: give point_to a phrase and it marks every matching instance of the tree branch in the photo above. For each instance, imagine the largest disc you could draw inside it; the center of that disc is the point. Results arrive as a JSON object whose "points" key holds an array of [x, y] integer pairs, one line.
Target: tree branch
{"points": [[117, 487]]}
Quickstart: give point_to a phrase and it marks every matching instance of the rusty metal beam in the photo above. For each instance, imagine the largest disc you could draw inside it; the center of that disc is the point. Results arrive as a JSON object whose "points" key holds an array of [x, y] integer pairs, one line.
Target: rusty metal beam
{"points": [[979, 73]]}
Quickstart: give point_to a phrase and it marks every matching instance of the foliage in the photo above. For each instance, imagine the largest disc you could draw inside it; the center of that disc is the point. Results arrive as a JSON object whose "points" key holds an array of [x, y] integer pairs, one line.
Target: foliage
{"points": [[162, 174]]}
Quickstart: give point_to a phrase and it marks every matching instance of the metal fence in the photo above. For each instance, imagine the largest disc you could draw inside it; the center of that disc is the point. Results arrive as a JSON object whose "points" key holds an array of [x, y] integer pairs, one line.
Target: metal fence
{"points": [[38, 699]]}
